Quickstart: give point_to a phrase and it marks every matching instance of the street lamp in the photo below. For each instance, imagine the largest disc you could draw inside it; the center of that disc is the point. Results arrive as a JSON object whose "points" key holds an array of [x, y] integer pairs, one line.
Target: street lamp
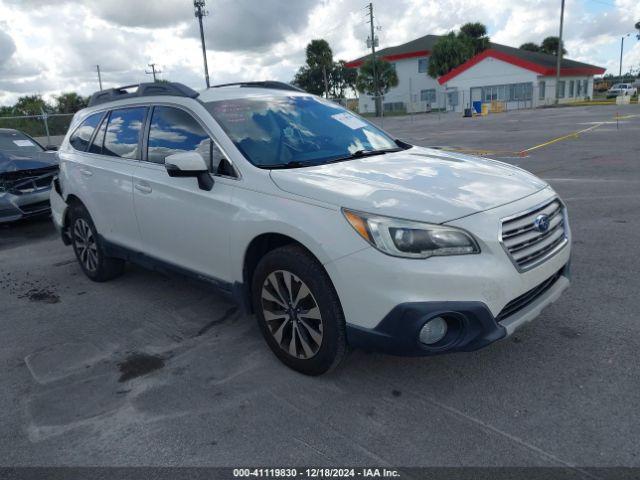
{"points": [[621, 50], [200, 12]]}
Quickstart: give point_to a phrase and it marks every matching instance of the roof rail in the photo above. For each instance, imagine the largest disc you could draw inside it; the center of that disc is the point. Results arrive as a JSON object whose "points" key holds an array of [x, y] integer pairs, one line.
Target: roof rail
{"points": [[265, 84], [142, 90]]}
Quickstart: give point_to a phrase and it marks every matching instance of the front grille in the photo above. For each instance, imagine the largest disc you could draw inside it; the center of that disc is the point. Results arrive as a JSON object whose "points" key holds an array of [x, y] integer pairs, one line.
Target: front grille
{"points": [[525, 299], [525, 244], [28, 181]]}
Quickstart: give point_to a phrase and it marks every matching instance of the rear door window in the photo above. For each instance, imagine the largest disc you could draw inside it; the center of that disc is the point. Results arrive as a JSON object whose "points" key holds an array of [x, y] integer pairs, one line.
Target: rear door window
{"points": [[82, 136], [122, 137]]}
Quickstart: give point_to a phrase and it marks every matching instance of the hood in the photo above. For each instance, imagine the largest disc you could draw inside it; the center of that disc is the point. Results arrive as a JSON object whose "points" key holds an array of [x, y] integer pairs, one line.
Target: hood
{"points": [[416, 184], [14, 162]]}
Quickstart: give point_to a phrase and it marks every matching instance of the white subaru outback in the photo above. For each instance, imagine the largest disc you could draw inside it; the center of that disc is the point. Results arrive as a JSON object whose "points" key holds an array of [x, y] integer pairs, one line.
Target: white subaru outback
{"points": [[333, 233]]}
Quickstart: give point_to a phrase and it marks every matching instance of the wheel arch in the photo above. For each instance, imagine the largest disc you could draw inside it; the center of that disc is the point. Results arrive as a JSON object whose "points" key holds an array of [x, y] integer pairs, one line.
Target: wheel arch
{"points": [[256, 250]]}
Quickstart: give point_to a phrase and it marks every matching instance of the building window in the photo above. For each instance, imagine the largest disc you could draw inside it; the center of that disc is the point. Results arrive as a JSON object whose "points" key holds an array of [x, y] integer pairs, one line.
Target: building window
{"points": [[585, 87], [542, 87], [508, 93], [452, 98], [561, 88], [578, 88], [571, 87], [394, 107], [428, 96], [423, 65]]}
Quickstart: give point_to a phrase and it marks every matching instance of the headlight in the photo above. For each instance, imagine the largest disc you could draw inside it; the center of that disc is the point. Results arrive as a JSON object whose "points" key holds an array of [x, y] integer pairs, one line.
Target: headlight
{"points": [[404, 238]]}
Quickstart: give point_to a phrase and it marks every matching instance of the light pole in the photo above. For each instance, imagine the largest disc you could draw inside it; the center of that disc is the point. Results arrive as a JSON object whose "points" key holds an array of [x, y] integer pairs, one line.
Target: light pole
{"points": [[559, 60], [621, 50], [201, 12]]}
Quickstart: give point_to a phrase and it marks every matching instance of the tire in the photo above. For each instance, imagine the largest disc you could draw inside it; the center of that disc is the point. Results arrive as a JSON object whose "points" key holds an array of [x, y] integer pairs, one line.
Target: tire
{"points": [[88, 247], [306, 331]]}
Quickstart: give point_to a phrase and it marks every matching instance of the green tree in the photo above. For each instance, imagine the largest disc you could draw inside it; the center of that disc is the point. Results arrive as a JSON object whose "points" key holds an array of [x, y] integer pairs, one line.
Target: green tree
{"points": [[449, 52], [31, 105], [476, 34], [387, 78], [342, 79], [309, 79], [530, 47], [550, 45], [69, 102], [320, 57]]}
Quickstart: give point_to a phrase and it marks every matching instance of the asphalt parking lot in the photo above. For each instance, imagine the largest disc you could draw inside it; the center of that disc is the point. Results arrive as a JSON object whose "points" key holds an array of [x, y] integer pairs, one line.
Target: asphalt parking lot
{"points": [[78, 387]]}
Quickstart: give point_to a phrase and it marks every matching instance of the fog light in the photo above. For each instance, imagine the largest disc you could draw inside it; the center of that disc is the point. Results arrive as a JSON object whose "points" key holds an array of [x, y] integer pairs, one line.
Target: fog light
{"points": [[433, 331]]}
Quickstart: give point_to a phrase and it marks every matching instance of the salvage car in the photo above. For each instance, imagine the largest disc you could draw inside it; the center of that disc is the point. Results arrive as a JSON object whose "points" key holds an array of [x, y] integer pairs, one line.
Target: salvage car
{"points": [[26, 172], [331, 231]]}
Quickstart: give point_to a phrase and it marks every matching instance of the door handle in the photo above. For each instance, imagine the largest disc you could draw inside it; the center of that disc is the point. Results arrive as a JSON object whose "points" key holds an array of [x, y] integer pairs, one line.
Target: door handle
{"points": [[143, 187], [85, 172]]}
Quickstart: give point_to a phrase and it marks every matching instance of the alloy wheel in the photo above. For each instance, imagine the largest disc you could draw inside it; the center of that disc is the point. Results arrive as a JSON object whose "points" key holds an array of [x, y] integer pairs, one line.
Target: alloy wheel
{"points": [[292, 314], [85, 244]]}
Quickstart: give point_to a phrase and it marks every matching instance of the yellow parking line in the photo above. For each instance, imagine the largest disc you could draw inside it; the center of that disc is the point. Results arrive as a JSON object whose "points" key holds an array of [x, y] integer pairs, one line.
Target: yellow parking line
{"points": [[564, 137]]}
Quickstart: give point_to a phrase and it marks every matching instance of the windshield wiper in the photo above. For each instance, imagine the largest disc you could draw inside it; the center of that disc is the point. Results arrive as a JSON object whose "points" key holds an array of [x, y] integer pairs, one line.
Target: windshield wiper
{"points": [[364, 153], [291, 164]]}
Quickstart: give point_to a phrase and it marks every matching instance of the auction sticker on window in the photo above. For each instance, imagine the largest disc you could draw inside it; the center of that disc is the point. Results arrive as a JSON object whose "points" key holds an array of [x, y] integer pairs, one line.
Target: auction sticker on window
{"points": [[23, 143], [349, 120]]}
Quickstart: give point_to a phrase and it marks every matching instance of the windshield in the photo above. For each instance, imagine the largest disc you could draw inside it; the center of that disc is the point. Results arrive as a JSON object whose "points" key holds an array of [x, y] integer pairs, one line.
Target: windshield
{"points": [[296, 130], [17, 142]]}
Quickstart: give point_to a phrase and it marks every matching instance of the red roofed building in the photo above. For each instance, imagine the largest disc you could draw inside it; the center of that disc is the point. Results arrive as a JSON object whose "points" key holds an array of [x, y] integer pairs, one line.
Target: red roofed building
{"points": [[518, 78]]}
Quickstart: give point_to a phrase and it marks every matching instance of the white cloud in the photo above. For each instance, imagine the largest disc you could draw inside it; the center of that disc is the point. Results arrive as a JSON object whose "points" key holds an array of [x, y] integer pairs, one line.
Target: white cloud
{"points": [[50, 46]]}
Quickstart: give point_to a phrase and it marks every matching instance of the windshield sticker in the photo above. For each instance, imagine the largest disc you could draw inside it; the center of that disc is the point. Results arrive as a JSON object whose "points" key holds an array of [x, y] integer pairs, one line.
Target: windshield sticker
{"points": [[23, 143], [349, 120]]}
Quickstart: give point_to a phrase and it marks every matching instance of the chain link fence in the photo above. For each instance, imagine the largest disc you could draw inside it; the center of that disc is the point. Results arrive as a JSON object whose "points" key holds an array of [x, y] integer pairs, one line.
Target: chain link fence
{"points": [[47, 128]]}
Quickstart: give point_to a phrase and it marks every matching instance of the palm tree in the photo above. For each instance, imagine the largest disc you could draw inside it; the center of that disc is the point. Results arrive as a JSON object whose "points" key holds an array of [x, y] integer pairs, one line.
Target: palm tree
{"points": [[387, 78], [320, 56]]}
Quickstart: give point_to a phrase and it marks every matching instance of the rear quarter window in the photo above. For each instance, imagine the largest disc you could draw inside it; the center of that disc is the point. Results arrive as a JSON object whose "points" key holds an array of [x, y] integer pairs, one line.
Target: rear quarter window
{"points": [[82, 136]]}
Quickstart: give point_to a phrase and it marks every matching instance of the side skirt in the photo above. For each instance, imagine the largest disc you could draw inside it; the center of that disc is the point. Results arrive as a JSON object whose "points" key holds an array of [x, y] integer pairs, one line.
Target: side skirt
{"points": [[233, 291]]}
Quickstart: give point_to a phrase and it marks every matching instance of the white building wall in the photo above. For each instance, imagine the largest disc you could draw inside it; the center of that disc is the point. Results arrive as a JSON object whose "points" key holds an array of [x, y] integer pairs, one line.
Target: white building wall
{"points": [[550, 89], [491, 71], [488, 72], [410, 84]]}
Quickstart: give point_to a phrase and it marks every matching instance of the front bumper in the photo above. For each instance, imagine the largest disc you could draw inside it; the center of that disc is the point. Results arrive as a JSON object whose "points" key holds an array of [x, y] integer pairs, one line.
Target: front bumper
{"points": [[16, 207], [472, 325]]}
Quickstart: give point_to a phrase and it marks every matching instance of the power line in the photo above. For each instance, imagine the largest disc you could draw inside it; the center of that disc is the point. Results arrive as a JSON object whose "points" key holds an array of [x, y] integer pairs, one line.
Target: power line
{"points": [[201, 12], [153, 71]]}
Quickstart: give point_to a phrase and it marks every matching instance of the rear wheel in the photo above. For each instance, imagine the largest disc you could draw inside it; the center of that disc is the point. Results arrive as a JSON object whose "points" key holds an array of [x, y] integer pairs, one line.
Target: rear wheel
{"points": [[298, 311], [89, 249]]}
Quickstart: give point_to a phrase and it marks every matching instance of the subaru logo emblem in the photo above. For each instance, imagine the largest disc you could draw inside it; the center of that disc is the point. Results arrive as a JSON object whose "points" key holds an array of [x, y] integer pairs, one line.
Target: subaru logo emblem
{"points": [[541, 222]]}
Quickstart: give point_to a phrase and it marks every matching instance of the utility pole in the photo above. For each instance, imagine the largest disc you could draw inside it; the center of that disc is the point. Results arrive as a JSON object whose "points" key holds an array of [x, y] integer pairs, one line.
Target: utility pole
{"points": [[201, 12], [559, 53], [376, 90], [153, 71], [99, 77]]}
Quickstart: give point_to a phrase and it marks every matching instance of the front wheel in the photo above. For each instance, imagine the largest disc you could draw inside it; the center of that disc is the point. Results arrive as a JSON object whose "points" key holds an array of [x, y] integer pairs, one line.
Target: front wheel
{"points": [[298, 311]]}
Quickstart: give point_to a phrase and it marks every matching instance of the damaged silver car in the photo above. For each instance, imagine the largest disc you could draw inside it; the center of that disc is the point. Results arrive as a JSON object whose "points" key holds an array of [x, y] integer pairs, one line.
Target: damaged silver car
{"points": [[26, 172]]}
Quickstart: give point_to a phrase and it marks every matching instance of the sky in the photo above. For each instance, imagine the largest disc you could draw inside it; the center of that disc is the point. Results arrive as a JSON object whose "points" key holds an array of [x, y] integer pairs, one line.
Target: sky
{"points": [[53, 46]]}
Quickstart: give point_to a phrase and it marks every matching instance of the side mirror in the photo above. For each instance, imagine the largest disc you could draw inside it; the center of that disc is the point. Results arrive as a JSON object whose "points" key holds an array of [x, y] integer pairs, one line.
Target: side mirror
{"points": [[51, 148], [189, 164]]}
